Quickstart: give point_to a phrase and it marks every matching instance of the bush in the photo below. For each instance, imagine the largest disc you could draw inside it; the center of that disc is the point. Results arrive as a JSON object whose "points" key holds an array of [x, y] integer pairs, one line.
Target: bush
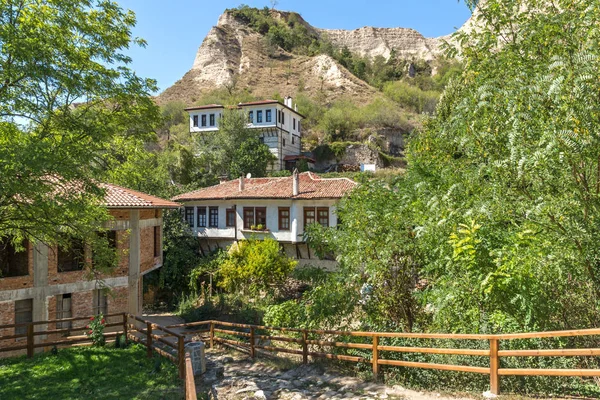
{"points": [[253, 266], [411, 97], [96, 330]]}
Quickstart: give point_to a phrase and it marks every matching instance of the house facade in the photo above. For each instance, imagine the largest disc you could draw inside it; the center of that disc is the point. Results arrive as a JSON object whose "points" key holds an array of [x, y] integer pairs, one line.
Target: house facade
{"points": [[46, 282], [278, 208], [279, 125]]}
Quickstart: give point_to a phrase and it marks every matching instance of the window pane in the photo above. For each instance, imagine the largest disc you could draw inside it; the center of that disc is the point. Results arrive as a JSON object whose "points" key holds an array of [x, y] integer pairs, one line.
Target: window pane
{"points": [[195, 120], [268, 115], [100, 305], [259, 116], [201, 217], [251, 116], [284, 219], [230, 218], [323, 216], [189, 216], [212, 119], [213, 217], [204, 120], [248, 217], [261, 216], [309, 216]]}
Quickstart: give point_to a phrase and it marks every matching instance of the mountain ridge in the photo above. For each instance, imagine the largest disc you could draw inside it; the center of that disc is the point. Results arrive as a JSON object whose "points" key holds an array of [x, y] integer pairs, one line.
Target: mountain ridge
{"points": [[234, 55]]}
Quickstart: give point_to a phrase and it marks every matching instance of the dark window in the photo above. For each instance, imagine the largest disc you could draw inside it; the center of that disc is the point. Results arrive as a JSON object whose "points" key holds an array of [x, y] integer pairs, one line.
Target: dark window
{"points": [[294, 123], [292, 140], [298, 126], [195, 121], [13, 263], [189, 216], [248, 217], [251, 116], [212, 119], [261, 139], [268, 115], [110, 237], [63, 310], [283, 142], [204, 120], [278, 115], [284, 218], [230, 217], [72, 256], [309, 216], [23, 314], [260, 216], [259, 116], [213, 217], [323, 216], [282, 117], [100, 305], [157, 241], [201, 217]]}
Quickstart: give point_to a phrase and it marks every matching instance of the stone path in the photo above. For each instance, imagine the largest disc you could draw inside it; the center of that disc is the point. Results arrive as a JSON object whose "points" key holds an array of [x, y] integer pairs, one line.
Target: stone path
{"points": [[234, 375]]}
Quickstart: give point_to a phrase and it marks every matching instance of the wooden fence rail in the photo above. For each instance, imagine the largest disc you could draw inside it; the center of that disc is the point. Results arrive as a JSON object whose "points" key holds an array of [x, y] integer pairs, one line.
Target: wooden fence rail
{"points": [[171, 344], [153, 336], [493, 352]]}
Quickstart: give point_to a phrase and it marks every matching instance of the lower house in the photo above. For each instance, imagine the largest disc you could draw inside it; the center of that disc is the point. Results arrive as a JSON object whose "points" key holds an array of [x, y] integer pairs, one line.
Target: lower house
{"points": [[45, 282], [278, 208]]}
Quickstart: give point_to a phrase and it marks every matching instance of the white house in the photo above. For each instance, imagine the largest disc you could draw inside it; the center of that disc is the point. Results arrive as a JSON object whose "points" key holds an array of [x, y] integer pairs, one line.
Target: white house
{"points": [[278, 208], [279, 125]]}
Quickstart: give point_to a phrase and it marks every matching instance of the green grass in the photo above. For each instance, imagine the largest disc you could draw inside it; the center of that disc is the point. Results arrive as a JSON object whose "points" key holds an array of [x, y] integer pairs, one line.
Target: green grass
{"points": [[90, 373]]}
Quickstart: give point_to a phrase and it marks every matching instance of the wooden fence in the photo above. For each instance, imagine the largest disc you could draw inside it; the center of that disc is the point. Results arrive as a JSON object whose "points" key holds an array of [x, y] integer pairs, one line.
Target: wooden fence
{"points": [[156, 338], [306, 347], [170, 344]]}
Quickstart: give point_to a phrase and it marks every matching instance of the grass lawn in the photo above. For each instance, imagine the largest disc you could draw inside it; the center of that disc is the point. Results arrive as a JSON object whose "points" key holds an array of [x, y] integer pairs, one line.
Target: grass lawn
{"points": [[90, 373]]}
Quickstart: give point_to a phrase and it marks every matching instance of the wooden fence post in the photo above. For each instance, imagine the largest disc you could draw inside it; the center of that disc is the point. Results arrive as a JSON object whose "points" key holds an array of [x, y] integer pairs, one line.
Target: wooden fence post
{"points": [[149, 339], [494, 365], [304, 346], [181, 355], [30, 340], [125, 328], [252, 349], [212, 334], [375, 359]]}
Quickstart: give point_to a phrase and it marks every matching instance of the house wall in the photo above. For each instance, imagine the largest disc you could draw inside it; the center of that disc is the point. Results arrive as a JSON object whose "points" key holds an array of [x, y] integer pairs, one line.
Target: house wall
{"points": [[135, 247], [217, 112], [296, 218]]}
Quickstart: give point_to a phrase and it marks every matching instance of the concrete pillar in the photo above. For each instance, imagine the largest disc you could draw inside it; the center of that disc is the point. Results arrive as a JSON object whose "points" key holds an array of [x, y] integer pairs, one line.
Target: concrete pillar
{"points": [[40, 280], [134, 306]]}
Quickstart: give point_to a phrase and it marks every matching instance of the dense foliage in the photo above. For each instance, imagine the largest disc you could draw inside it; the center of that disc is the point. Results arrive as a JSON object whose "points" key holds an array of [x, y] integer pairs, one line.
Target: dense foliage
{"points": [[67, 94]]}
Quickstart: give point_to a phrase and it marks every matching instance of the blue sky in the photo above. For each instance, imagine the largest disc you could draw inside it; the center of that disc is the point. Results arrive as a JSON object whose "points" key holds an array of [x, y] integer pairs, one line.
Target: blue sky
{"points": [[174, 29]]}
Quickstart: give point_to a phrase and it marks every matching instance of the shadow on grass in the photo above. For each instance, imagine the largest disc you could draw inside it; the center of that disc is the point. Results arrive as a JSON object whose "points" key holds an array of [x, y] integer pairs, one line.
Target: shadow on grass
{"points": [[90, 373]]}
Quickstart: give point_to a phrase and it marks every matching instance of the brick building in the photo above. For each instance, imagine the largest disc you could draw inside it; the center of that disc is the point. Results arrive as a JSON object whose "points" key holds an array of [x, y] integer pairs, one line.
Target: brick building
{"points": [[45, 283]]}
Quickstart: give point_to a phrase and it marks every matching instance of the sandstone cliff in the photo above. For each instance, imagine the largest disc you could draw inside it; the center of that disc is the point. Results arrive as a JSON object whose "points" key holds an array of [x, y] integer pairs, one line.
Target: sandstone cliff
{"points": [[232, 54]]}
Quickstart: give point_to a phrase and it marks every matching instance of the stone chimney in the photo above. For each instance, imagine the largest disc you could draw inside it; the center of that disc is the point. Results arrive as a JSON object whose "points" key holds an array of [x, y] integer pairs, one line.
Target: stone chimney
{"points": [[288, 102], [295, 183], [241, 183]]}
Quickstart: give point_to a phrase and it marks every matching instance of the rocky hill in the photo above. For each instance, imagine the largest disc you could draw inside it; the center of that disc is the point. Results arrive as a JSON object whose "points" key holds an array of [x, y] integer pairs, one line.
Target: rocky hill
{"points": [[233, 54]]}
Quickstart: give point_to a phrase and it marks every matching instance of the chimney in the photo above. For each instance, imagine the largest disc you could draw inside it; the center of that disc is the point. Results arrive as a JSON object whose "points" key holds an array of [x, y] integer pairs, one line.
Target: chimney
{"points": [[288, 101], [223, 179], [241, 183], [295, 183]]}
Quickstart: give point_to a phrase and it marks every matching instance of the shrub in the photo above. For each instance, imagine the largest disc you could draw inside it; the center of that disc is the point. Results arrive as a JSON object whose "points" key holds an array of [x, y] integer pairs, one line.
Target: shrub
{"points": [[253, 266], [411, 97]]}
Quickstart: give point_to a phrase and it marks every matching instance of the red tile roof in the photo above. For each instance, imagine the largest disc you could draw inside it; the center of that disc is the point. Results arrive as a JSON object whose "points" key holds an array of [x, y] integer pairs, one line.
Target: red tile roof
{"points": [[310, 186], [206, 107], [120, 197]]}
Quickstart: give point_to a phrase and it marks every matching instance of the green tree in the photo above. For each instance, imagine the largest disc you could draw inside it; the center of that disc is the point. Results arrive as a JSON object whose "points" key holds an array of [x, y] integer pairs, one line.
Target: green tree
{"points": [[66, 94]]}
